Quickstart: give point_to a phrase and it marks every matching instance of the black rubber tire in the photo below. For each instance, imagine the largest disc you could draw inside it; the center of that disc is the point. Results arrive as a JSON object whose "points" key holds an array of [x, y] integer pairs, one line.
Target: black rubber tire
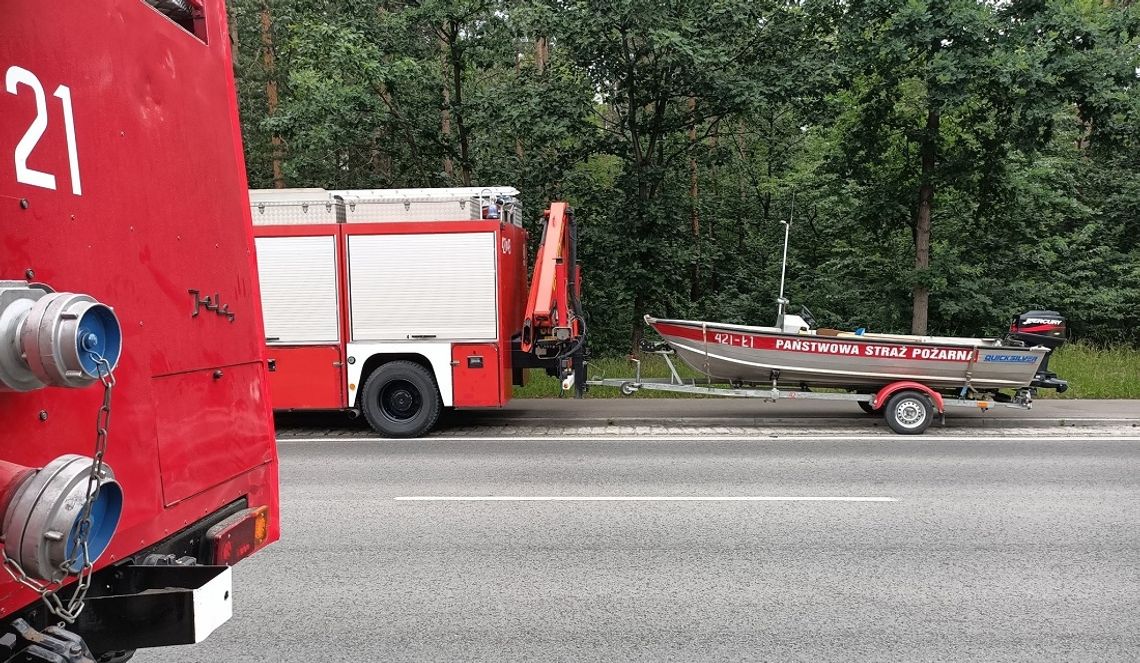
{"points": [[121, 656], [401, 399], [914, 403], [866, 407]]}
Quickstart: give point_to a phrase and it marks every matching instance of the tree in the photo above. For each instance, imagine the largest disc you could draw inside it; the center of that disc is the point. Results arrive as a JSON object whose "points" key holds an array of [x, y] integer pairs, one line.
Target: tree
{"points": [[980, 157], [666, 76]]}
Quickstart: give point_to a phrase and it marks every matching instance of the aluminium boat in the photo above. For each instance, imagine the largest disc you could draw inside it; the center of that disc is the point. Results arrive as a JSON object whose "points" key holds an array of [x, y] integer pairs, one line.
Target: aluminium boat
{"points": [[795, 354]]}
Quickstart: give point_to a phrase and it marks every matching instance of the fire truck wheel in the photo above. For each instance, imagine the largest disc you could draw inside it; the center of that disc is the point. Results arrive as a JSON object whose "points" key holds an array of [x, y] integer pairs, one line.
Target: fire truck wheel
{"points": [[909, 412], [400, 399]]}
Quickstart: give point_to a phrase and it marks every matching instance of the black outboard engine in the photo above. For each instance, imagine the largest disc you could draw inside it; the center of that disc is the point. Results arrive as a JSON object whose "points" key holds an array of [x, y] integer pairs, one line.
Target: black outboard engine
{"points": [[1045, 328]]}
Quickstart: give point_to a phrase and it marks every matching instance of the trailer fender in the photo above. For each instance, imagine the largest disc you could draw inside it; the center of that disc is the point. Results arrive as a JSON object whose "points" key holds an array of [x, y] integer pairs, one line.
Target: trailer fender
{"points": [[435, 355], [884, 394]]}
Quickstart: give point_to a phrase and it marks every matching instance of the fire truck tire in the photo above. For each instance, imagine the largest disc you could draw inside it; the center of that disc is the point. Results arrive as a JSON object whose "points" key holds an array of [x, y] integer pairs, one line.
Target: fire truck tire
{"points": [[401, 399], [909, 412]]}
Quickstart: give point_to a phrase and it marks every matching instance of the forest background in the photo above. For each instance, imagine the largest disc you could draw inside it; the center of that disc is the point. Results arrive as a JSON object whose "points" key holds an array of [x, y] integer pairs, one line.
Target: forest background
{"points": [[950, 162]]}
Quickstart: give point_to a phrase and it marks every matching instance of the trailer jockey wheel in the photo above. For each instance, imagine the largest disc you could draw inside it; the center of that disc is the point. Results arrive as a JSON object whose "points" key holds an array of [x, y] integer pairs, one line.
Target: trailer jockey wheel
{"points": [[400, 399], [909, 412]]}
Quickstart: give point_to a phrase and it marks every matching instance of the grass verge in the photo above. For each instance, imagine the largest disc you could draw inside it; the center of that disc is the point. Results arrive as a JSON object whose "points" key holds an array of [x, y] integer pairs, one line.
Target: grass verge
{"points": [[1092, 372], [1095, 372]]}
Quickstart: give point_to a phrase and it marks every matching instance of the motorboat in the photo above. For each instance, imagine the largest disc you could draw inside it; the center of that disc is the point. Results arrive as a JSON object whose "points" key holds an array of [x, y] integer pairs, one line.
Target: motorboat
{"points": [[796, 354], [909, 379]]}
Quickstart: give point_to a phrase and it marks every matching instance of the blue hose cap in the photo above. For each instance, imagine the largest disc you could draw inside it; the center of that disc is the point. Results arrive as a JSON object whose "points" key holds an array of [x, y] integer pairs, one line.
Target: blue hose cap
{"points": [[44, 522], [105, 514], [98, 335]]}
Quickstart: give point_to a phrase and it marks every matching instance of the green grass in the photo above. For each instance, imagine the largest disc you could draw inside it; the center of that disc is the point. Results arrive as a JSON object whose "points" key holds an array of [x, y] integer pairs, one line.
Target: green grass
{"points": [[541, 385], [1092, 372], [1095, 372]]}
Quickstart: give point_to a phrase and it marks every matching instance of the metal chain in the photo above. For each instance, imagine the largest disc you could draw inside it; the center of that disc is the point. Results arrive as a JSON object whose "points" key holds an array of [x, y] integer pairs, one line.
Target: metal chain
{"points": [[47, 590]]}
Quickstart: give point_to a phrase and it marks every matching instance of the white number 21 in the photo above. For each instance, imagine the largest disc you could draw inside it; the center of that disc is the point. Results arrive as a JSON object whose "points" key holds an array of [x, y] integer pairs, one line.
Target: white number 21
{"points": [[15, 77]]}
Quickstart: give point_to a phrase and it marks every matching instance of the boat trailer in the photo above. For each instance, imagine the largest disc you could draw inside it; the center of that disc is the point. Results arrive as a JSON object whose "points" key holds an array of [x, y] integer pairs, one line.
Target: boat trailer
{"points": [[909, 407]]}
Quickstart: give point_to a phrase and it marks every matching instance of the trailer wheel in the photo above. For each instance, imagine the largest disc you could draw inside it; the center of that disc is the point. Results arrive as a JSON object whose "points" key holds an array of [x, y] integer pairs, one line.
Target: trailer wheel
{"points": [[400, 399], [866, 407], [909, 412]]}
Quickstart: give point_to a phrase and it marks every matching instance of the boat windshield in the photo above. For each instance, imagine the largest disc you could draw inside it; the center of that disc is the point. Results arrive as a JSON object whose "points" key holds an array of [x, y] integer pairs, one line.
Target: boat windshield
{"points": [[805, 313]]}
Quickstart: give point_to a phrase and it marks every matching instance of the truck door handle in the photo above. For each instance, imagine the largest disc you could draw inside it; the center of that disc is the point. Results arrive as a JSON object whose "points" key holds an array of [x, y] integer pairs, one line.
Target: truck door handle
{"points": [[418, 336]]}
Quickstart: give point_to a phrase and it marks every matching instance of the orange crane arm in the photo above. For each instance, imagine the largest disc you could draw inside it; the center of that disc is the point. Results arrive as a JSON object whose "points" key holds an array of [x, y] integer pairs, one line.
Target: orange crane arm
{"points": [[552, 310]]}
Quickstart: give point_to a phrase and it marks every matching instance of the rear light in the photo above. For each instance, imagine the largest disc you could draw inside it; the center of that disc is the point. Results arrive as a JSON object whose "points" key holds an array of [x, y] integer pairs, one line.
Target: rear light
{"points": [[238, 536]]}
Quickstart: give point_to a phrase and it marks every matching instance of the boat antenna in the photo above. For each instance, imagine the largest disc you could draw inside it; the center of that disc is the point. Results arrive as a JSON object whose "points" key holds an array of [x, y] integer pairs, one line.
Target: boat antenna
{"points": [[781, 301]]}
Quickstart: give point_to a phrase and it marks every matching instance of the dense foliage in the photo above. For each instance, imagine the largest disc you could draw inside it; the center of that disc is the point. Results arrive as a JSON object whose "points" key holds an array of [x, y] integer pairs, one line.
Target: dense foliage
{"points": [[945, 163]]}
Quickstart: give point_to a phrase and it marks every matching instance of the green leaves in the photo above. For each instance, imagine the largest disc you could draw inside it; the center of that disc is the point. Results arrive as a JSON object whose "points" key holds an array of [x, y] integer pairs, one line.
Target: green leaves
{"points": [[681, 129]]}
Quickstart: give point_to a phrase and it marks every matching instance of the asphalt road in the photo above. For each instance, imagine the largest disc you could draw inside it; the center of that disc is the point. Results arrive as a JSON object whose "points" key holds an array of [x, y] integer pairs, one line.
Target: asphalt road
{"points": [[993, 550], [628, 415]]}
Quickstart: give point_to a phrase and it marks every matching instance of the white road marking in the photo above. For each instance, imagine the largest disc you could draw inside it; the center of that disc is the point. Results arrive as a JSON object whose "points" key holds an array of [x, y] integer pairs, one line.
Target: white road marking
{"points": [[1059, 436], [635, 498], [699, 421]]}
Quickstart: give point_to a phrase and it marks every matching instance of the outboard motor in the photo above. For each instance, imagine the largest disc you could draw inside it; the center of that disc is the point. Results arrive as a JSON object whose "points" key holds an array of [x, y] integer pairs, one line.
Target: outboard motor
{"points": [[1044, 328]]}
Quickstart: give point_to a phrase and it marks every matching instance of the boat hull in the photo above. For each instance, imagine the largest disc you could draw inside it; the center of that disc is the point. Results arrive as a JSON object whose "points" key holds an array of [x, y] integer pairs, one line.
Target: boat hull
{"points": [[736, 353]]}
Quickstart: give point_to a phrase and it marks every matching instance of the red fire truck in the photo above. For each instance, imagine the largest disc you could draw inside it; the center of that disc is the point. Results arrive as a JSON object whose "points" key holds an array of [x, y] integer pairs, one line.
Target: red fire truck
{"points": [[137, 460], [399, 303]]}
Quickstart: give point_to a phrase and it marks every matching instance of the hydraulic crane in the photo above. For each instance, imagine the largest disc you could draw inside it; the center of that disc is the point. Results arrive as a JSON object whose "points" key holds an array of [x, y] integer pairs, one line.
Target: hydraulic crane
{"points": [[554, 326]]}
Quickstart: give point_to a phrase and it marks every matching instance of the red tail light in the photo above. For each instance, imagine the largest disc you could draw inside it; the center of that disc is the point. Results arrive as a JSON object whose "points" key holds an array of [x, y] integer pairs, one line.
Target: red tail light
{"points": [[238, 536]]}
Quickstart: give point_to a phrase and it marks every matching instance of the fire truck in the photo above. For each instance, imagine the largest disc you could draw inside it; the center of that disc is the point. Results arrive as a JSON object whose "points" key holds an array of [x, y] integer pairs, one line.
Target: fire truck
{"points": [[399, 303], [137, 458]]}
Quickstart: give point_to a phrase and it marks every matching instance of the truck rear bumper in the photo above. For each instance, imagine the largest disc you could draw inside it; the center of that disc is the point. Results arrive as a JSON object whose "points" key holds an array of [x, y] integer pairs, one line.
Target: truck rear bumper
{"points": [[156, 606]]}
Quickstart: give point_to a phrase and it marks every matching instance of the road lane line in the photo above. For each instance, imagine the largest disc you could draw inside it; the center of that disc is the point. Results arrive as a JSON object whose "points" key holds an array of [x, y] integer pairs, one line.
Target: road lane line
{"points": [[636, 498], [681, 437]]}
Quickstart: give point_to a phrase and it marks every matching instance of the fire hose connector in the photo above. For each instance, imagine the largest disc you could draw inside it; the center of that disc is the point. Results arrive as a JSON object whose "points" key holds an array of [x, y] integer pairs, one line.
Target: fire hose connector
{"points": [[44, 510], [54, 338]]}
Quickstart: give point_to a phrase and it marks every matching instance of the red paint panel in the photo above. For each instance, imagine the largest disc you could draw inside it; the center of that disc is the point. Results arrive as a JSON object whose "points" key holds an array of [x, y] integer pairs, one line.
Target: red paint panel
{"points": [[307, 377], [208, 428], [153, 108], [476, 375], [512, 297], [819, 345], [162, 208]]}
